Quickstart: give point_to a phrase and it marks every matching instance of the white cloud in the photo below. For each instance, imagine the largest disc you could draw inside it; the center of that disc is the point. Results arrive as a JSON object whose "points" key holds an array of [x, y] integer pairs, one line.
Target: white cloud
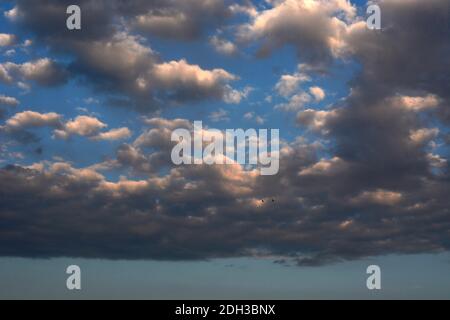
{"points": [[8, 101], [315, 27], [82, 125], [233, 96], [7, 39], [316, 120], [32, 119], [44, 71], [223, 46], [289, 84], [218, 116], [253, 116], [295, 103], [114, 134], [181, 74], [318, 93]]}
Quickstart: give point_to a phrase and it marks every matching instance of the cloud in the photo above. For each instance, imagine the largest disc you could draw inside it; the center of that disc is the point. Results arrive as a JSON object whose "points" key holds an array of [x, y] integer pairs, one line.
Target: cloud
{"points": [[114, 58], [365, 170], [289, 84], [29, 119], [8, 101], [82, 125], [124, 64], [422, 136], [381, 197], [288, 87], [114, 134], [233, 96], [253, 116], [315, 28], [219, 116], [316, 120], [191, 82], [318, 93], [223, 46], [182, 19], [7, 40], [295, 103], [44, 72], [210, 212], [417, 103]]}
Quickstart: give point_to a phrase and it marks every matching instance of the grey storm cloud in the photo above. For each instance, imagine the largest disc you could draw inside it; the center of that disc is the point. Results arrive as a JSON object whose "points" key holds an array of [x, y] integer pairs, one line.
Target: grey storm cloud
{"points": [[383, 189], [205, 212]]}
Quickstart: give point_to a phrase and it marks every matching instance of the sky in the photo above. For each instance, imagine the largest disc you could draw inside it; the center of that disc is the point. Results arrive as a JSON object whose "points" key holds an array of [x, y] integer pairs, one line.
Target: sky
{"points": [[86, 175]]}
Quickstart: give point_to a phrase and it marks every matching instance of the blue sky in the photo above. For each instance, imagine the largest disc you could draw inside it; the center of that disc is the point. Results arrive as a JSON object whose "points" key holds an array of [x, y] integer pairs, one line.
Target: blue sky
{"points": [[85, 123]]}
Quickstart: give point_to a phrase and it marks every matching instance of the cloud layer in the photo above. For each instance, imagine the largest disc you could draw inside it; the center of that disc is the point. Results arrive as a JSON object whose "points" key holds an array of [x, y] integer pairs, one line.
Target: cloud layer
{"points": [[366, 175]]}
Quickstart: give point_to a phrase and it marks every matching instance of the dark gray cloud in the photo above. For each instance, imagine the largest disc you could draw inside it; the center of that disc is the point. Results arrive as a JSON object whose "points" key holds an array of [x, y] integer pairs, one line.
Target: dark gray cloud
{"points": [[324, 210]]}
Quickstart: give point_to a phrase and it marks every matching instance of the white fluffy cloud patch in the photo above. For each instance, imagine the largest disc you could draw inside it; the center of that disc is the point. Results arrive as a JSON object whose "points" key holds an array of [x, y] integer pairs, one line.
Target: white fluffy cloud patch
{"points": [[7, 40], [315, 27], [29, 119], [8, 101], [84, 126], [183, 75], [114, 134], [318, 93], [43, 71]]}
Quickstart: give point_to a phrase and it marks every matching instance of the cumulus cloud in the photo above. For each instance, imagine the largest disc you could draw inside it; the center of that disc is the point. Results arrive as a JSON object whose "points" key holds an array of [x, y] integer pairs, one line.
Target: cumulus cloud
{"points": [[191, 81], [318, 93], [289, 83], [223, 46], [381, 197], [193, 201], [44, 72], [181, 19], [219, 116], [85, 126], [295, 103], [114, 134], [316, 120], [253, 116], [29, 119], [316, 29], [115, 60], [417, 103], [289, 88], [371, 175], [82, 126], [8, 101], [125, 64], [7, 40], [233, 96]]}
